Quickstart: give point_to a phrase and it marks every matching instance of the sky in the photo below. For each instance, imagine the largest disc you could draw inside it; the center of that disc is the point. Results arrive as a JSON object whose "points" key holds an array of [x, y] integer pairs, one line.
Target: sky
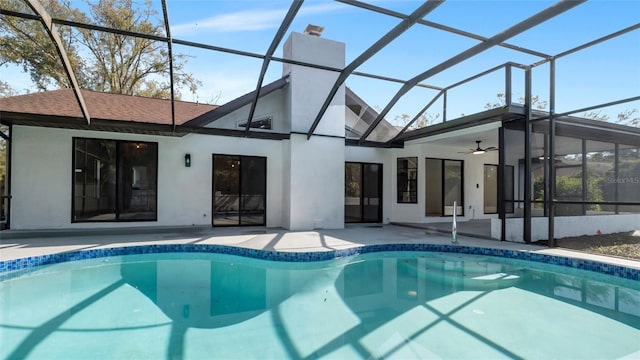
{"points": [[606, 72]]}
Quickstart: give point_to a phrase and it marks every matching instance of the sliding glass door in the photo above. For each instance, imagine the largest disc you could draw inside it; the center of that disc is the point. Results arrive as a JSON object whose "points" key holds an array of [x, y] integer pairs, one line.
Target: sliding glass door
{"points": [[114, 180], [363, 193], [444, 179], [239, 190]]}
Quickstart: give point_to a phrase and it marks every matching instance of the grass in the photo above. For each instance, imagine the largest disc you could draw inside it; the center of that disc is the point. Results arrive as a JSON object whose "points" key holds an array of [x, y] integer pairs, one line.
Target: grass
{"points": [[624, 245]]}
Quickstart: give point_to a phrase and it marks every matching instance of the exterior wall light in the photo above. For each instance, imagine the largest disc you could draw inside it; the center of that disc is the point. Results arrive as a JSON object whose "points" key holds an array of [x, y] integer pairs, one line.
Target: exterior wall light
{"points": [[187, 160]]}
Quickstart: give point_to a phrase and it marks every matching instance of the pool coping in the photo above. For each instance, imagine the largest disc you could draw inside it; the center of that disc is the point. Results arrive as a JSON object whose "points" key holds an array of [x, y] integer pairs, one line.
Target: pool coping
{"points": [[13, 267]]}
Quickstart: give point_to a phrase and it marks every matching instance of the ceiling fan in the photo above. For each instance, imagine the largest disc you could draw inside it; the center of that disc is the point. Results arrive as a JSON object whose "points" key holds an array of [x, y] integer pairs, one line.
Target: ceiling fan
{"points": [[478, 150]]}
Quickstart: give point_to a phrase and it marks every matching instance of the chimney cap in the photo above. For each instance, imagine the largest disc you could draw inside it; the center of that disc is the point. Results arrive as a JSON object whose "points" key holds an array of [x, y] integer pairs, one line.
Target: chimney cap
{"points": [[314, 30]]}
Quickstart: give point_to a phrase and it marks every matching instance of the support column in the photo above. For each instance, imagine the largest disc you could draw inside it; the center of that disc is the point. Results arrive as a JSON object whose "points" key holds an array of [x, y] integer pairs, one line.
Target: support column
{"points": [[501, 184], [526, 228], [551, 212]]}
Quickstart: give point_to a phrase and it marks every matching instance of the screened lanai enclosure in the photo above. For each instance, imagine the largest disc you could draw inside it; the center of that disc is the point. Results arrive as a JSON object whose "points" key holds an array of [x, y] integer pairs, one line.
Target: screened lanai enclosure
{"points": [[554, 87]]}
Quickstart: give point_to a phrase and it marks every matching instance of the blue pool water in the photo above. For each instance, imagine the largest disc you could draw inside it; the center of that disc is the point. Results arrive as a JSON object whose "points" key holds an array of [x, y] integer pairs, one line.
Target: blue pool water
{"points": [[401, 305]]}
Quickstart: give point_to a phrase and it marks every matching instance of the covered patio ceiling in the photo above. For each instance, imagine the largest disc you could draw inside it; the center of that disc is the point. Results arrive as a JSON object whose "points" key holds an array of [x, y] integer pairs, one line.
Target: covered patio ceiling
{"points": [[512, 42]]}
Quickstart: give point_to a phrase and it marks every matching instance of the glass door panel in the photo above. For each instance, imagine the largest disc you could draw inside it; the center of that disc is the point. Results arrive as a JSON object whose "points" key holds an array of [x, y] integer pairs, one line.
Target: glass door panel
{"points": [[137, 170], [372, 193], [352, 192], [94, 180], [226, 190], [433, 189], [252, 190], [452, 186]]}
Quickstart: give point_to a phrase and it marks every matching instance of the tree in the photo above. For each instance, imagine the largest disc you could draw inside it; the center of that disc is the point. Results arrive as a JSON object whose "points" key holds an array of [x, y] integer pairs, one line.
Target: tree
{"points": [[629, 117], [536, 102], [6, 90], [101, 61], [422, 121], [625, 117], [25, 43]]}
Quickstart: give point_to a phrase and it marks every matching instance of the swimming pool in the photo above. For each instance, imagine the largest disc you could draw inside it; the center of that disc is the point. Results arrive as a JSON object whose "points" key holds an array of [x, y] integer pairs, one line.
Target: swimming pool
{"points": [[163, 302]]}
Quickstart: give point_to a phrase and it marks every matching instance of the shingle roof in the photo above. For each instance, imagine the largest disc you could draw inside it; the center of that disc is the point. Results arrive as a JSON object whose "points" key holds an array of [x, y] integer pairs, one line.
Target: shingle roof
{"points": [[104, 106]]}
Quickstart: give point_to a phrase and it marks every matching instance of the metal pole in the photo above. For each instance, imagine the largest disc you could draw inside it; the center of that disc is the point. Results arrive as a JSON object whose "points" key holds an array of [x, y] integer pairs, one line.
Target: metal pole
{"points": [[444, 107], [545, 167], [8, 178], [584, 176], [616, 167], [526, 228], [551, 238], [165, 13], [501, 184], [507, 85], [454, 225]]}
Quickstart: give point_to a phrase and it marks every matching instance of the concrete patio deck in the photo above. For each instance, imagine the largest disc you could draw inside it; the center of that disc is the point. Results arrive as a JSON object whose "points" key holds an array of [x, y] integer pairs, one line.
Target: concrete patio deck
{"points": [[16, 244]]}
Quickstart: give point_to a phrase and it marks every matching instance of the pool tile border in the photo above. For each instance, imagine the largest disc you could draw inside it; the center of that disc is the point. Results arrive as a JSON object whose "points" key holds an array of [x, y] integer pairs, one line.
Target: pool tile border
{"points": [[25, 264]]}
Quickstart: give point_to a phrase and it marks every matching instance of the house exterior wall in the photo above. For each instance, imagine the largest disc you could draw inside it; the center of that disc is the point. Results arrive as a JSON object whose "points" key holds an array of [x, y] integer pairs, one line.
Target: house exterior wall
{"points": [[473, 182], [305, 178], [42, 177]]}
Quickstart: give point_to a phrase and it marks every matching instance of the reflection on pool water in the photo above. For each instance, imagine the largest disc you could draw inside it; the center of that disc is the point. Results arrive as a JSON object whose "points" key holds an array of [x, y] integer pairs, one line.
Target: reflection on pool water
{"points": [[390, 304]]}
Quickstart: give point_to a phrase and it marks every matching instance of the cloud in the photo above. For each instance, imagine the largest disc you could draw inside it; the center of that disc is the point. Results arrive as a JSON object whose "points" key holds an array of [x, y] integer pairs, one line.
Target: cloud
{"points": [[247, 20]]}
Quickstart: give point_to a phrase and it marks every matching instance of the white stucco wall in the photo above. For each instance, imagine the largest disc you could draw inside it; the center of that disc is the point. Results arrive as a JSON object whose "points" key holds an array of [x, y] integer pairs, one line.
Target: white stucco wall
{"points": [[270, 105], [308, 87], [316, 183], [42, 177]]}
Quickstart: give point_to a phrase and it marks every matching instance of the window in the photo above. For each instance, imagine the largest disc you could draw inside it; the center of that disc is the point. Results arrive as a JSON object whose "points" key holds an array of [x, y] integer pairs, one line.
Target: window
{"points": [[407, 180], [444, 179], [114, 180], [264, 124]]}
